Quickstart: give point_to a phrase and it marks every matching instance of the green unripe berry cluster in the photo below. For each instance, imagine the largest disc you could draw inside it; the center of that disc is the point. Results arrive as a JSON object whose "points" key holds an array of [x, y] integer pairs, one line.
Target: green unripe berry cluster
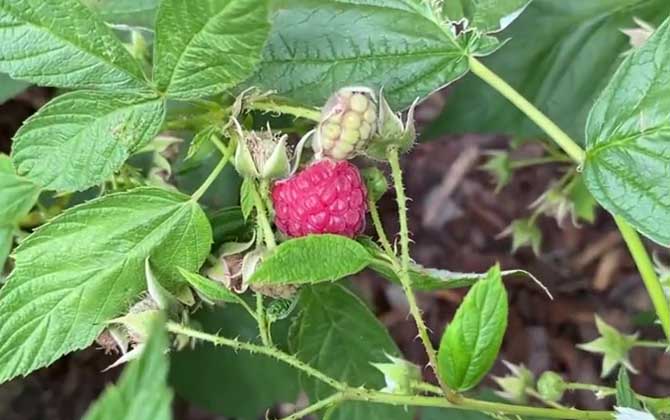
{"points": [[348, 122]]}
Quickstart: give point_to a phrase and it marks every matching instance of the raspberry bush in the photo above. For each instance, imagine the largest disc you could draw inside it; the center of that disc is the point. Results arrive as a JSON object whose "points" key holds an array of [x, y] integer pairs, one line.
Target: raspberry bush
{"points": [[192, 197]]}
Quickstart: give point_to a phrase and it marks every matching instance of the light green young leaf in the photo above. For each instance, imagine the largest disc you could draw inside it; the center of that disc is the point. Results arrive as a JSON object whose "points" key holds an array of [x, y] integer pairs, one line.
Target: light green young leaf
{"points": [[317, 47], [625, 396], [142, 391], [234, 384], [10, 87], [62, 43], [485, 15], [247, 197], [471, 342], [628, 140], [292, 262], [210, 289], [79, 139], [337, 334], [203, 48], [17, 194], [127, 12], [87, 266], [560, 56]]}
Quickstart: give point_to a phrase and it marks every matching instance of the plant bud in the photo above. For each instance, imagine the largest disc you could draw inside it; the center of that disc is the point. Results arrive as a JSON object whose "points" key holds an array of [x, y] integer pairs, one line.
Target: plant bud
{"points": [[229, 267], [551, 386], [262, 154], [375, 181], [399, 375], [348, 121], [513, 386], [391, 131]]}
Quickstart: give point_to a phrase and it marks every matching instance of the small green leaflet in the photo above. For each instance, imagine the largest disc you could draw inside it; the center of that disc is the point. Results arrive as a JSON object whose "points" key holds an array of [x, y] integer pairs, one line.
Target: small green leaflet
{"points": [[209, 289], [17, 194], [625, 396], [293, 262], [337, 334], [471, 342], [395, 44], [485, 15], [142, 391], [628, 140], [203, 48], [10, 87], [247, 204], [62, 43], [81, 138], [86, 267]]}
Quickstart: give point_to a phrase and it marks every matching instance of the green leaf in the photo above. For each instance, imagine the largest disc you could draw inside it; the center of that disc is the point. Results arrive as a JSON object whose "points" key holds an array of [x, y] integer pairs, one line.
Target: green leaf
{"points": [[128, 12], [142, 391], [485, 15], [471, 342], [206, 47], [6, 241], [247, 204], [560, 56], [317, 47], [210, 289], [17, 194], [628, 140], [337, 334], [228, 225], [87, 266], [62, 43], [235, 384], [625, 396], [292, 262], [81, 138], [10, 87]]}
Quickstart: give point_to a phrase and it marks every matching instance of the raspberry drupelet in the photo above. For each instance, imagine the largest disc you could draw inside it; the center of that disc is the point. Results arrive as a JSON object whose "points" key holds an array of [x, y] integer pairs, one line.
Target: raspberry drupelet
{"points": [[325, 197]]}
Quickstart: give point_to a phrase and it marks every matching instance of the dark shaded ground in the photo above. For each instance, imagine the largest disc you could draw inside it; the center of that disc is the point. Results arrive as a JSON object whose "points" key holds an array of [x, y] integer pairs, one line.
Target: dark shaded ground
{"points": [[587, 269]]}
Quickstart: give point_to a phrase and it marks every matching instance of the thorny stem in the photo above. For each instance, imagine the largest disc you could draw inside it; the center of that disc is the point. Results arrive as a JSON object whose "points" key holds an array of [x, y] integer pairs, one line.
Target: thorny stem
{"points": [[347, 393], [263, 221], [379, 227], [262, 320], [403, 274], [635, 245], [269, 105], [227, 153], [324, 403]]}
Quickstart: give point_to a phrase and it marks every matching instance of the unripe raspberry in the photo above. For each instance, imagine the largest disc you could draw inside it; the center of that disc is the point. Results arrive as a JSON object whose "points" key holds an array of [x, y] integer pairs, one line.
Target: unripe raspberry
{"points": [[326, 197], [348, 121]]}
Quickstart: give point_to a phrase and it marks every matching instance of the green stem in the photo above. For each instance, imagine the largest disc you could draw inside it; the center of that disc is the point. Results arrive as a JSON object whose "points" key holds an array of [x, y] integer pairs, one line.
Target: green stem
{"points": [[639, 253], [651, 344], [606, 391], [649, 276], [262, 320], [197, 195], [273, 352], [403, 274], [326, 402], [524, 163], [559, 136], [379, 228], [262, 215], [553, 404], [362, 394], [297, 111]]}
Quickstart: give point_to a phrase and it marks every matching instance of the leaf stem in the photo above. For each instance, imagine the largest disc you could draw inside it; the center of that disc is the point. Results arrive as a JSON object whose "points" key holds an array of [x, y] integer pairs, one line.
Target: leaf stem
{"points": [[297, 111], [635, 245], [197, 195], [403, 272], [379, 227], [559, 136], [347, 393], [324, 403], [651, 344], [262, 321]]}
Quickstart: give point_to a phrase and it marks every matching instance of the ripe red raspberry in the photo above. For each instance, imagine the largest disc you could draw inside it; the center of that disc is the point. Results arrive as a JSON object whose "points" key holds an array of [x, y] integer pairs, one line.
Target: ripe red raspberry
{"points": [[326, 197]]}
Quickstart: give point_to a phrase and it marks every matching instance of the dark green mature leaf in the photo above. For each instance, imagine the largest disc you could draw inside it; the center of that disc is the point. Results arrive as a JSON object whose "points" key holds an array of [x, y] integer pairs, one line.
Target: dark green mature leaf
{"points": [[235, 384], [10, 87], [560, 56], [210, 289], [338, 335], [228, 225], [471, 342], [206, 47], [317, 47], [62, 43], [485, 15], [87, 266], [128, 12], [628, 140], [292, 262], [142, 391], [79, 139], [17, 194]]}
